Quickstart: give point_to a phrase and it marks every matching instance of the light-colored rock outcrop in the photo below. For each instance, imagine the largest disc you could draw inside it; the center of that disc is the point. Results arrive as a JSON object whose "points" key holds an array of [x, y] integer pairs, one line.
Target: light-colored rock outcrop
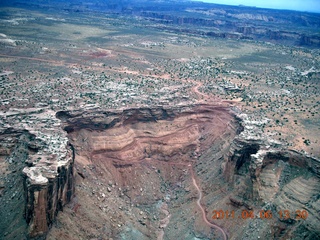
{"points": [[48, 172]]}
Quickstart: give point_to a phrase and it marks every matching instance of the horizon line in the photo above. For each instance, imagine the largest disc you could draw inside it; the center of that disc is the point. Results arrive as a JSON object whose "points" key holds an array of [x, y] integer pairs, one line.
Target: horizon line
{"points": [[250, 6]]}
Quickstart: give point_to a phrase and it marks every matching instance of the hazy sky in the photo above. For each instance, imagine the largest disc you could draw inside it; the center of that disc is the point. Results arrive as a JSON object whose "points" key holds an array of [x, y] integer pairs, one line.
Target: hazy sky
{"points": [[300, 5]]}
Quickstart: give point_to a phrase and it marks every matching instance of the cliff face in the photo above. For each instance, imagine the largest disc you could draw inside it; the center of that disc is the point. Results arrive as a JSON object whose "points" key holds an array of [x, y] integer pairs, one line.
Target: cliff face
{"points": [[46, 192], [264, 173], [226, 152], [141, 163], [114, 141], [135, 134], [115, 154], [39, 164]]}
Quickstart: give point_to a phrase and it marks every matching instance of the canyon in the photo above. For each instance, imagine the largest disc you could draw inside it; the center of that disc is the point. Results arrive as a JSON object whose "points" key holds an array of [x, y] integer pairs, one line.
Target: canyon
{"points": [[158, 120], [194, 159], [138, 172]]}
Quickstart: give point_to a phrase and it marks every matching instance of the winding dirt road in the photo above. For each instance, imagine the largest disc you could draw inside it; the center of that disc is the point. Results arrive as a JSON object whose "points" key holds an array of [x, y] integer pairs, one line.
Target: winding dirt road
{"points": [[204, 216], [202, 209], [189, 166]]}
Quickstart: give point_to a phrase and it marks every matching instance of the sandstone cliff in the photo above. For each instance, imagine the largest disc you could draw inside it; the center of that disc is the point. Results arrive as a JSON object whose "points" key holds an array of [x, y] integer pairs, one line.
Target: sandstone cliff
{"points": [[268, 176], [232, 160], [40, 163]]}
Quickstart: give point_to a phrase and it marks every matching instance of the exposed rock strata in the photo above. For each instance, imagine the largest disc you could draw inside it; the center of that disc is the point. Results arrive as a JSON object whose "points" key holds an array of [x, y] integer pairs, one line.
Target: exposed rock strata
{"points": [[257, 168], [148, 153], [46, 165], [266, 174], [131, 135], [158, 145], [48, 188]]}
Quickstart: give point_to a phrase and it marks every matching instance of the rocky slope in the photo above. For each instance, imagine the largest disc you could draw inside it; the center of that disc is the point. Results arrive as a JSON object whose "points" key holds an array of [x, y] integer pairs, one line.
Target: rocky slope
{"points": [[135, 167], [236, 166], [131, 174], [267, 176]]}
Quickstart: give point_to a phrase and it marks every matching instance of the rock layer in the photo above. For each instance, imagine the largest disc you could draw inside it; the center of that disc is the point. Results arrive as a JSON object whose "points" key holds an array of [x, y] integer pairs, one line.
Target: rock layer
{"points": [[260, 173], [42, 165], [148, 154], [47, 190], [268, 176], [173, 134], [162, 147]]}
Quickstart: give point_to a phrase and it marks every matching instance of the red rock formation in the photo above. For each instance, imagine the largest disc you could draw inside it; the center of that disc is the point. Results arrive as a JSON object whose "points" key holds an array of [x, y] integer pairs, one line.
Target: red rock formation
{"points": [[47, 190], [132, 135]]}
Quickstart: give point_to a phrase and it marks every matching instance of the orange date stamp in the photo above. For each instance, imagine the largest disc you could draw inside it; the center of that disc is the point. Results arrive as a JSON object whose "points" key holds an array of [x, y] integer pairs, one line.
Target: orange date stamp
{"points": [[262, 214]]}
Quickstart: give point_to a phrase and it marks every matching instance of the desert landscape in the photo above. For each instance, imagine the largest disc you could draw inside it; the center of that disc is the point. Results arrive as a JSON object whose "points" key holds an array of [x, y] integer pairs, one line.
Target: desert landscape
{"points": [[158, 120]]}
